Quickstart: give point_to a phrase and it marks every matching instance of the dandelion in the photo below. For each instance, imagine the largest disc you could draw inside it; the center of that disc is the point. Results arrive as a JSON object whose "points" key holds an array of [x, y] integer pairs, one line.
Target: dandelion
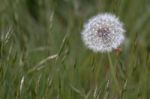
{"points": [[103, 33]]}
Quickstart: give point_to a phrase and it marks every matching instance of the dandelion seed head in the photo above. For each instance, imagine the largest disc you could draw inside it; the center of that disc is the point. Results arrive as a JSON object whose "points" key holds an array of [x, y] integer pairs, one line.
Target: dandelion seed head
{"points": [[103, 33]]}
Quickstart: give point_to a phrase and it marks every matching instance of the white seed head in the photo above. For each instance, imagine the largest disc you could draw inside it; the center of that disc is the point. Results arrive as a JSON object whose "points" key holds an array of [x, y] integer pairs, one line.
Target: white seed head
{"points": [[103, 33]]}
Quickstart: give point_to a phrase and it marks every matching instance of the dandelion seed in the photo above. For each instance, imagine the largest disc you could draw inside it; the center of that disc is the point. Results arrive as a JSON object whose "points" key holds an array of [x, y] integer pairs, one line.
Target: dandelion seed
{"points": [[103, 33]]}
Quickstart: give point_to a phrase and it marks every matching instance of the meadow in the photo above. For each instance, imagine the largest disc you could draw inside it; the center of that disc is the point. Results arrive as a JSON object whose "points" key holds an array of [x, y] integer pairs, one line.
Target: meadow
{"points": [[42, 55]]}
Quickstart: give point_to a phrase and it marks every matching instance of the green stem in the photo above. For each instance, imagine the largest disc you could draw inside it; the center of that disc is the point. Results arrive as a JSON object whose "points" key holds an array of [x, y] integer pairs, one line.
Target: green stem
{"points": [[113, 73]]}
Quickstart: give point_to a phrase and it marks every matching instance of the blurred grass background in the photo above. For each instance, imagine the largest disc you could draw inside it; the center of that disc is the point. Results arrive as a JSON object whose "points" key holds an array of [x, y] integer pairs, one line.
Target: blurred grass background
{"points": [[42, 55]]}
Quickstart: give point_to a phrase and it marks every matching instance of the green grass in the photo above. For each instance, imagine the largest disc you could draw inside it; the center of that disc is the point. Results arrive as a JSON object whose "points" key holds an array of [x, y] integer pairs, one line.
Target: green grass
{"points": [[42, 55]]}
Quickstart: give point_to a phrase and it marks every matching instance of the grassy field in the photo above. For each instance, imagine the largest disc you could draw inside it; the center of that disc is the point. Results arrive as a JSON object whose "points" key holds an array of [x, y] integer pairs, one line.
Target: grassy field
{"points": [[42, 55]]}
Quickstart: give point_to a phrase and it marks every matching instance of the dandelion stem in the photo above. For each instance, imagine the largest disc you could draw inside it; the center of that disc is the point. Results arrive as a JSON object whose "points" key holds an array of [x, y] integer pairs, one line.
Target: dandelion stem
{"points": [[113, 71]]}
